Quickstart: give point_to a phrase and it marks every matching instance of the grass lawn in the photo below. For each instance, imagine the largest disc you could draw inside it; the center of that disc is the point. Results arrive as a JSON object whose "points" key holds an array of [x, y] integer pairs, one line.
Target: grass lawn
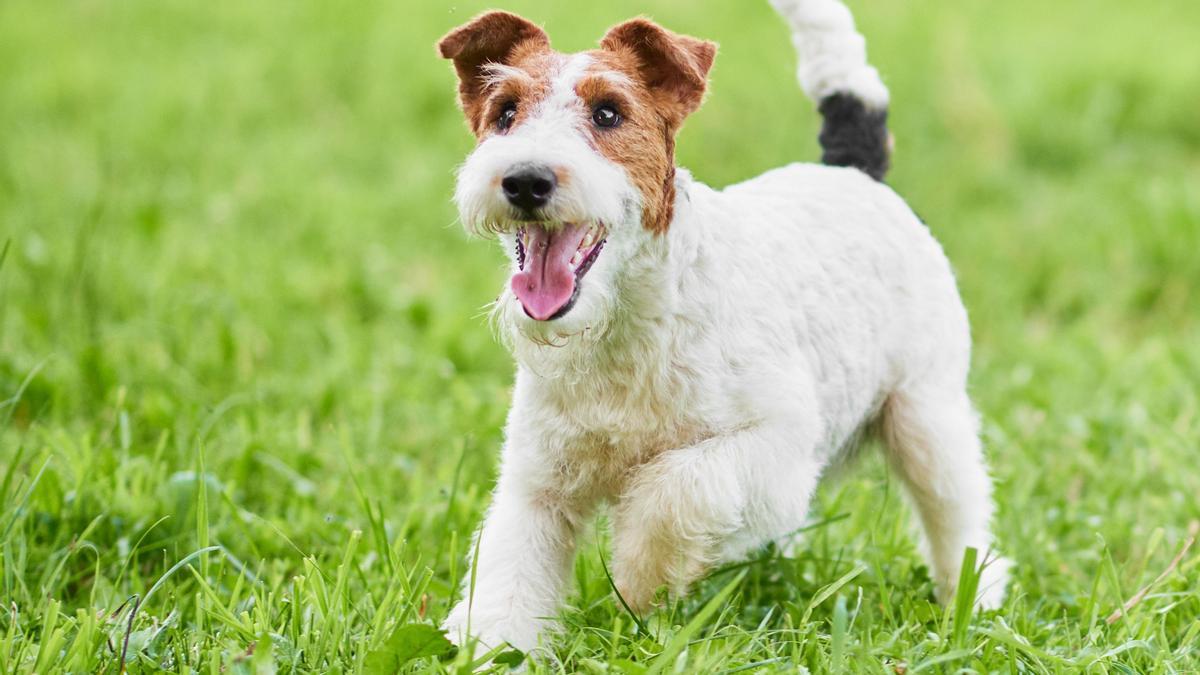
{"points": [[251, 406]]}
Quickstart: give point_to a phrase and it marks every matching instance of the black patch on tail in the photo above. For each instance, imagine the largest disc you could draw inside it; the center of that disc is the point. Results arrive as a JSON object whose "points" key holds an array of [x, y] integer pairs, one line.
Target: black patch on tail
{"points": [[854, 136]]}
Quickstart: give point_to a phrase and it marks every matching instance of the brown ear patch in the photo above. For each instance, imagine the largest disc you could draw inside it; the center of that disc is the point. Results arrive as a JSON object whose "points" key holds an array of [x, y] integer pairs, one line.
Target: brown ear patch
{"points": [[644, 141], [671, 72], [671, 65], [492, 37]]}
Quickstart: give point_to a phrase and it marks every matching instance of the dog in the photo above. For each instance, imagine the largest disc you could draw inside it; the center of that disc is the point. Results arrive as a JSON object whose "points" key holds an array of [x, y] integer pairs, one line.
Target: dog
{"points": [[696, 358]]}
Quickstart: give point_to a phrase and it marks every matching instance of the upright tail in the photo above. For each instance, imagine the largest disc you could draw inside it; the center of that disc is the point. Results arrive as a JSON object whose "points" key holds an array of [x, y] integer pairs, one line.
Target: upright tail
{"points": [[834, 72]]}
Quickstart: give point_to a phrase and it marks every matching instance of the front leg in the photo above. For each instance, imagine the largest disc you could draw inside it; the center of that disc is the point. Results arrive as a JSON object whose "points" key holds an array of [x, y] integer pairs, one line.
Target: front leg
{"points": [[525, 547], [690, 508]]}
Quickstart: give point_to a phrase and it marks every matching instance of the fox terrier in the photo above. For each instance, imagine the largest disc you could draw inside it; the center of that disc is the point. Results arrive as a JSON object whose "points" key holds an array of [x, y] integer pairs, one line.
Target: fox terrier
{"points": [[698, 358]]}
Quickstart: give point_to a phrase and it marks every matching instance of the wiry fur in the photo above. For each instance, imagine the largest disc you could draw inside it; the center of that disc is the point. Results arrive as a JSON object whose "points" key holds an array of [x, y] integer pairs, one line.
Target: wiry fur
{"points": [[713, 366]]}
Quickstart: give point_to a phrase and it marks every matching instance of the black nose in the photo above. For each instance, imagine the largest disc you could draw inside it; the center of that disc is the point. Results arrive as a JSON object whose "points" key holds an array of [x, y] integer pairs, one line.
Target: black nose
{"points": [[529, 187]]}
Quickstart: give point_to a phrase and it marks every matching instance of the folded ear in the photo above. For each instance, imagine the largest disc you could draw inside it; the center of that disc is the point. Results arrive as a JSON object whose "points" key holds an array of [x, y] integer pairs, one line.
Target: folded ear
{"points": [[669, 63], [491, 37]]}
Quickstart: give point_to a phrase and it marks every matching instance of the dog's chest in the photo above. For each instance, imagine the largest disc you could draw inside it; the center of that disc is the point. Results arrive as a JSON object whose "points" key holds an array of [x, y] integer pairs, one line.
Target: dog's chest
{"points": [[613, 422], [642, 409]]}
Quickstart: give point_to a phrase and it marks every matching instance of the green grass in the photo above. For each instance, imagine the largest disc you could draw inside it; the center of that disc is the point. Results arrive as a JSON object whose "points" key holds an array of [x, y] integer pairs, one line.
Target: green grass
{"points": [[251, 407]]}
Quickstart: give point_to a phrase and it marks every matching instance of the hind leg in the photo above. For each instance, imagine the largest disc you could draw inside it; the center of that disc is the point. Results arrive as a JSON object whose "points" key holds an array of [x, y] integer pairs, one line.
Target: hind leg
{"points": [[933, 444]]}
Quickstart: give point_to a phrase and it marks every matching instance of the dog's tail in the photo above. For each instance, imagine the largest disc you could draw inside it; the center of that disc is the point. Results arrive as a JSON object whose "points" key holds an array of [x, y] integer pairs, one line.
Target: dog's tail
{"points": [[834, 72]]}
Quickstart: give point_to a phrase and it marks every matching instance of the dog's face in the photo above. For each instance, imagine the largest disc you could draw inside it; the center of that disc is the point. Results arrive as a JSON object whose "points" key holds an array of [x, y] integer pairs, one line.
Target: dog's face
{"points": [[574, 169]]}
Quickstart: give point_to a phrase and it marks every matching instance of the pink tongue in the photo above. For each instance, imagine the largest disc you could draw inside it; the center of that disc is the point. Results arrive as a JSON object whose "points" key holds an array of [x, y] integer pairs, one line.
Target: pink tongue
{"points": [[548, 280]]}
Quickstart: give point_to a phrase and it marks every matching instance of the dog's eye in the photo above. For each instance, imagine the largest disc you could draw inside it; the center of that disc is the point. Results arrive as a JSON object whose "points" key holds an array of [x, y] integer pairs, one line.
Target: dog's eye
{"points": [[507, 114], [606, 116]]}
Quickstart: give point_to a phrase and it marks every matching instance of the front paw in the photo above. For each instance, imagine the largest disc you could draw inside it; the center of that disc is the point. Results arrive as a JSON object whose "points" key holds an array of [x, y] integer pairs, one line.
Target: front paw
{"points": [[493, 627], [638, 595], [651, 554], [645, 575]]}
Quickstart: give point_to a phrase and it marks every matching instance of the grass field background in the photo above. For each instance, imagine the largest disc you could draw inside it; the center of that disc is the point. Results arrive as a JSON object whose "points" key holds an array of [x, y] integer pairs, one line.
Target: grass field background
{"points": [[241, 330]]}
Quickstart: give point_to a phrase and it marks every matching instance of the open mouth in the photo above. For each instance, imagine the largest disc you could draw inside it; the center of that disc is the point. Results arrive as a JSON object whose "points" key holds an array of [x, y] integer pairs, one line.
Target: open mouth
{"points": [[553, 261]]}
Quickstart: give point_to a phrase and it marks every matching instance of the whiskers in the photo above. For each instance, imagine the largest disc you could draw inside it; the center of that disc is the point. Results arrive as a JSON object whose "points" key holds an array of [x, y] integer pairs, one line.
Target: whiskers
{"points": [[491, 228]]}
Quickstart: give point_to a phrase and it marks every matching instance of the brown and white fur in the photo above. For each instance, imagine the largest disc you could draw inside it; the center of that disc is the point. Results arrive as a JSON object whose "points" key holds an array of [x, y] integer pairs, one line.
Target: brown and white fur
{"points": [[697, 358]]}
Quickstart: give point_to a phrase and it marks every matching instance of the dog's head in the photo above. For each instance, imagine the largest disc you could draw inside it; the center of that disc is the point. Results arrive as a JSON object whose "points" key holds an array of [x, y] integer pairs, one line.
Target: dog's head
{"points": [[574, 168]]}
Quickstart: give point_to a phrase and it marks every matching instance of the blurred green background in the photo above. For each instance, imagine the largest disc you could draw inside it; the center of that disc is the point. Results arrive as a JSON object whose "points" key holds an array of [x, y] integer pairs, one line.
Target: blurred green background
{"points": [[230, 255]]}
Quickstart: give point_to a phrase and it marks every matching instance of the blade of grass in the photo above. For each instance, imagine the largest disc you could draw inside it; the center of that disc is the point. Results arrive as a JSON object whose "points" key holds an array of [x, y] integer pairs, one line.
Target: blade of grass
{"points": [[964, 597], [1137, 598], [620, 598], [666, 658], [824, 594]]}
